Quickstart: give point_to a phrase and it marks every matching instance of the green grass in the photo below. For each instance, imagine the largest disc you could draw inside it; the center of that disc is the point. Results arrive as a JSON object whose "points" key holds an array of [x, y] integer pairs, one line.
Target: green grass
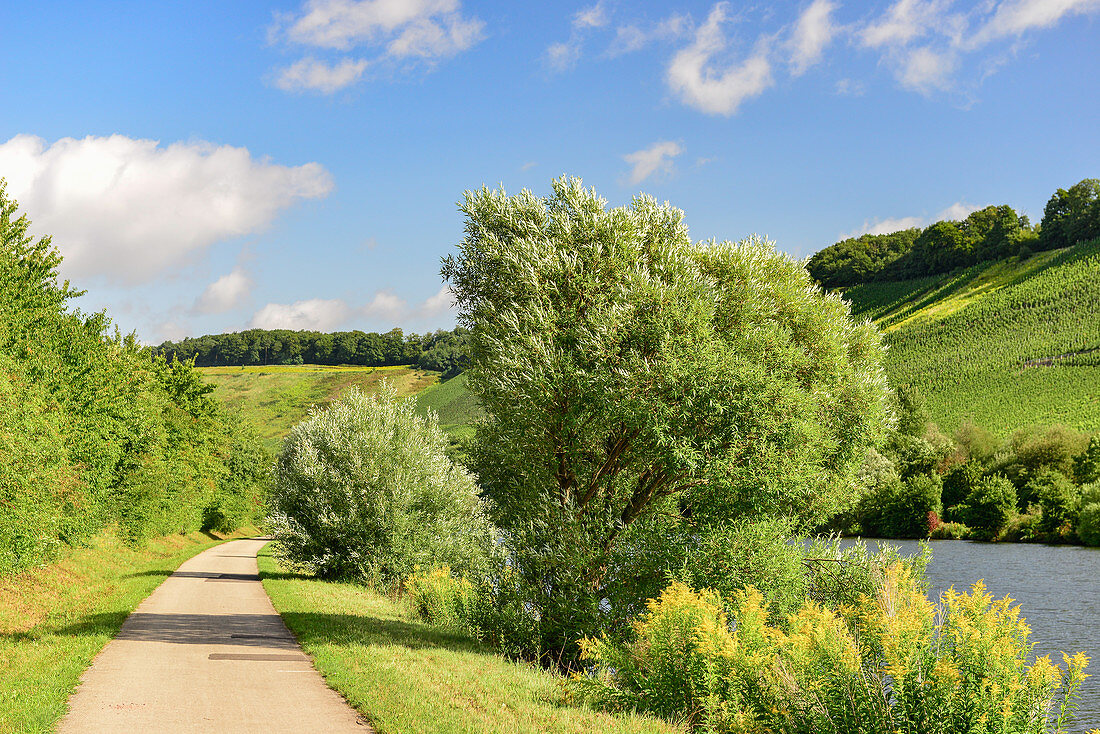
{"points": [[275, 398], [406, 677], [963, 340], [455, 405], [55, 619]]}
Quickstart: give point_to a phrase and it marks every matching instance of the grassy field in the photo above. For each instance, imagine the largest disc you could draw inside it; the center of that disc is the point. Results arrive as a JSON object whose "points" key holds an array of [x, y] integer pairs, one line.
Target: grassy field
{"points": [[406, 677], [275, 398], [964, 340], [55, 619], [455, 405]]}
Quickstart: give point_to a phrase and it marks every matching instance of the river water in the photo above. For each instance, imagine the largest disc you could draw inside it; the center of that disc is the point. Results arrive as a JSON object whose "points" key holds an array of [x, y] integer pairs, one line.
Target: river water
{"points": [[1057, 588]]}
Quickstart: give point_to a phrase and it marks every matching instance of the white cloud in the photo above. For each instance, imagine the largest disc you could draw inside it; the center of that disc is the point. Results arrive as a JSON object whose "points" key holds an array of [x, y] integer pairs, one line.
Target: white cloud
{"points": [[850, 88], [437, 26], [594, 16], [957, 211], [925, 70], [563, 56], [441, 303], [947, 36], [657, 158], [630, 38], [310, 73], [813, 32], [225, 293], [385, 306], [128, 210], [885, 226], [316, 314], [1015, 17], [717, 91], [905, 21], [427, 30]]}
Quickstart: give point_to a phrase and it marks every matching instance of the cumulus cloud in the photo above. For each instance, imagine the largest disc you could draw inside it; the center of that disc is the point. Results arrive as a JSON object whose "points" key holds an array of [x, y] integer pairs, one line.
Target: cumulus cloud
{"points": [[717, 91], [225, 293], [957, 211], [396, 30], [657, 158], [813, 32], [311, 74], [128, 210], [441, 303], [329, 314], [315, 314], [385, 306]]}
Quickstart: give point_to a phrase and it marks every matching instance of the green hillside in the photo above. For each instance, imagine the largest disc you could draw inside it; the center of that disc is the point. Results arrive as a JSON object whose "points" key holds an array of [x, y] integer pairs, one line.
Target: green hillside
{"points": [[275, 398], [455, 405], [1004, 344]]}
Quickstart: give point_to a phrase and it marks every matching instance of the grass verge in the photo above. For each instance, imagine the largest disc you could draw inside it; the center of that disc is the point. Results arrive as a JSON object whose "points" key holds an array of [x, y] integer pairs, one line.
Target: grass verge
{"points": [[55, 619], [406, 677]]}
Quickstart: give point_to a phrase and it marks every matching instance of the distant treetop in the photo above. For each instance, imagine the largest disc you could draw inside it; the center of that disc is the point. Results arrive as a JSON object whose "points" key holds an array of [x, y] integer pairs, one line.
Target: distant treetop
{"points": [[443, 351], [992, 233]]}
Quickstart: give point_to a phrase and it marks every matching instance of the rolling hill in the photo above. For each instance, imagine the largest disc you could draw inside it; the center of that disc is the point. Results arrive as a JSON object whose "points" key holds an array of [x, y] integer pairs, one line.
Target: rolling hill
{"points": [[1005, 344], [275, 398]]}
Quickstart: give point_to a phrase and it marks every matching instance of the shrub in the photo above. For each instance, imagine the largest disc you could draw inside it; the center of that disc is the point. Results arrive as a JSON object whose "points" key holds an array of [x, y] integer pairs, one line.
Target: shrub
{"points": [[1088, 525], [1057, 497], [988, 507], [950, 531], [365, 489], [958, 483], [441, 598], [901, 509], [893, 662], [1086, 466]]}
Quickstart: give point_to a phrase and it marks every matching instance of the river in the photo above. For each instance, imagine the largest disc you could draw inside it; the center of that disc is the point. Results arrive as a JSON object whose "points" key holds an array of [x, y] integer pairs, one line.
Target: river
{"points": [[1057, 588]]}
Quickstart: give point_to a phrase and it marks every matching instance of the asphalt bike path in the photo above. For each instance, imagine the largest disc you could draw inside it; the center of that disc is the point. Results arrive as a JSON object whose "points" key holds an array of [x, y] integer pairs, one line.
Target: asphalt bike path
{"points": [[206, 652]]}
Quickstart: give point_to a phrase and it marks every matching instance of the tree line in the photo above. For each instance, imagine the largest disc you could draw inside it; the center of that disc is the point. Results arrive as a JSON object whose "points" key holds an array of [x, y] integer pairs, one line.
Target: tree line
{"points": [[97, 431], [443, 351], [993, 233]]}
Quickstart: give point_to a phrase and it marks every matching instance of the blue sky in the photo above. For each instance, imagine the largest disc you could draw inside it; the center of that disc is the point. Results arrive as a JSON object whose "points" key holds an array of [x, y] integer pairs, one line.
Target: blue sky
{"points": [[211, 166]]}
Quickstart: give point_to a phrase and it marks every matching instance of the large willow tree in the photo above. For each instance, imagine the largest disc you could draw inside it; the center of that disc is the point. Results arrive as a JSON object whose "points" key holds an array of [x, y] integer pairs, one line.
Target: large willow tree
{"points": [[641, 390]]}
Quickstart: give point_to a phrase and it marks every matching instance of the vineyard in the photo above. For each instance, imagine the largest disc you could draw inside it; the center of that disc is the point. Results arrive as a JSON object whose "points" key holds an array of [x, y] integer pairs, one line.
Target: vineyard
{"points": [[964, 340]]}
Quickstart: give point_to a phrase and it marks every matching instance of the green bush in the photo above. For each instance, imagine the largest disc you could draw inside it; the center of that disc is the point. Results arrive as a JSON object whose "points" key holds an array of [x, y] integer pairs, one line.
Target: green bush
{"points": [[1088, 524], [365, 489], [958, 483], [900, 509], [1057, 497], [988, 507], [1086, 466]]}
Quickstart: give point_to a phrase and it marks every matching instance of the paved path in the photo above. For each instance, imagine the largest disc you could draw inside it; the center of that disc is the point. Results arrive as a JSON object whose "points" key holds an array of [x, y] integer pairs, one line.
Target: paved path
{"points": [[206, 652]]}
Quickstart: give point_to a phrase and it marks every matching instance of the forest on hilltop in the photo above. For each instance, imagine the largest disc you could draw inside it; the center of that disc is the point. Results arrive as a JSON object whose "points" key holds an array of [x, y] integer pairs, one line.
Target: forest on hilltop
{"points": [[993, 233]]}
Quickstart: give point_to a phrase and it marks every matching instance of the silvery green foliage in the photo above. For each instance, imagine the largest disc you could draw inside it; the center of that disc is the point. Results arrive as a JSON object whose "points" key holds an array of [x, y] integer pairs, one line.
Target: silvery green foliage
{"points": [[365, 489], [639, 387]]}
